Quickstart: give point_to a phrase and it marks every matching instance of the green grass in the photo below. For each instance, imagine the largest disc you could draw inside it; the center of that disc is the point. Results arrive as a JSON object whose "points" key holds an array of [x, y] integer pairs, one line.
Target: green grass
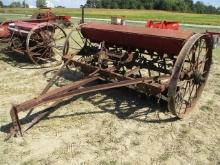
{"points": [[216, 52], [139, 15]]}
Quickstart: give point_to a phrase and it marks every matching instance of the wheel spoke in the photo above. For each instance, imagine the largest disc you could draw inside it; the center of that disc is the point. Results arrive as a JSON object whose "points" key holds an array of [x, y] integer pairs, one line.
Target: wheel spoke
{"points": [[74, 48], [37, 52], [183, 96], [76, 42], [81, 37], [42, 41], [36, 47], [60, 54], [190, 80]]}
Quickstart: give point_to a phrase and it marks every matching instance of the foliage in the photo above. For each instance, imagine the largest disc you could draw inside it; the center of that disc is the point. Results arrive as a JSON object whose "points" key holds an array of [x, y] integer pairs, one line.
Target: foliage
{"points": [[168, 5], [1, 4], [59, 7], [41, 3], [15, 4], [25, 4]]}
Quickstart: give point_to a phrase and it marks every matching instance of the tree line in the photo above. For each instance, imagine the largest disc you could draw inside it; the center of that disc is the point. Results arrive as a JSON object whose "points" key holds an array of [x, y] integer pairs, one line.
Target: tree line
{"points": [[18, 4], [15, 4], [168, 5]]}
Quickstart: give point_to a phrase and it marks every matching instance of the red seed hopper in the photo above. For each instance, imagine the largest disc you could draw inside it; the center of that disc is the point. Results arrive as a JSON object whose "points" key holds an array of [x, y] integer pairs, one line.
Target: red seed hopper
{"points": [[166, 41]]}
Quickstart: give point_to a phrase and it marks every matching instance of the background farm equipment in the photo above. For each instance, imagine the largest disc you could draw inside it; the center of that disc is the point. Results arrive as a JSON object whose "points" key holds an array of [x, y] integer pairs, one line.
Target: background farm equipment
{"points": [[40, 38], [43, 15], [41, 42], [169, 64], [118, 20], [47, 15], [163, 24], [4, 31]]}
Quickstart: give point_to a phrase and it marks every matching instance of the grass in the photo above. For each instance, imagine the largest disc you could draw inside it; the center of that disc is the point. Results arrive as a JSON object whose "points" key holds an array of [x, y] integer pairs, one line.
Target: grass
{"points": [[138, 15], [217, 52]]}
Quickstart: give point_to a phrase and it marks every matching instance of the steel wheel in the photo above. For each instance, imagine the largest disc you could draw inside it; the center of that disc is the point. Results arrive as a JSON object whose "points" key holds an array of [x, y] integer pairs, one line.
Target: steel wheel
{"points": [[74, 46], [45, 43], [75, 42], [189, 75]]}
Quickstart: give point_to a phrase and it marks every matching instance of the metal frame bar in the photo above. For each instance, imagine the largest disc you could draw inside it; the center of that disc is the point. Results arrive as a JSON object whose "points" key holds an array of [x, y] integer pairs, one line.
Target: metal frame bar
{"points": [[112, 80]]}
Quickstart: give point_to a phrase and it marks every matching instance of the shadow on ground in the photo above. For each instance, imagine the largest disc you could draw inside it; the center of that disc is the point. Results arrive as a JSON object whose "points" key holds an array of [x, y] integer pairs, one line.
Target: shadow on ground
{"points": [[122, 102], [16, 59]]}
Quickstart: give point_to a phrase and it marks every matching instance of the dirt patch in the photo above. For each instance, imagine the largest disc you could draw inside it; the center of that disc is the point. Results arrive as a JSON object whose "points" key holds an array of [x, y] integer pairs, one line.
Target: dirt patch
{"points": [[104, 128]]}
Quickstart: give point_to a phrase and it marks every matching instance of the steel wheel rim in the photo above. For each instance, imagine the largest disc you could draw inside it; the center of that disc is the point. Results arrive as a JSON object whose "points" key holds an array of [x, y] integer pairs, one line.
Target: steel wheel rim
{"points": [[182, 98], [75, 42], [44, 45]]}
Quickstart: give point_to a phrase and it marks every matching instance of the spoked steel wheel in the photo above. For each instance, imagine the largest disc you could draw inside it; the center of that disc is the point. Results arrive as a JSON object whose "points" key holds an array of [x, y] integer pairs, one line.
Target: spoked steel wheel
{"points": [[44, 44], [75, 46], [189, 75], [75, 42]]}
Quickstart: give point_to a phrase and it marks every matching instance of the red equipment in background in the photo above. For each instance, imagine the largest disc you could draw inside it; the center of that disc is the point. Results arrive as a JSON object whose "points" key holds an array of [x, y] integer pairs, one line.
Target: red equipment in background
{"points": [[39, 37], [47, 15], [40, 16], [163, 25], [4, 32], [41, 41]]}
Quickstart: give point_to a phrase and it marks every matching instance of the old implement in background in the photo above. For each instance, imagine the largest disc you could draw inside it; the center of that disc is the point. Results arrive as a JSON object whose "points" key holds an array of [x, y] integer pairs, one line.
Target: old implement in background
{"points": [[39, 37], [169, 64], [47, 15], [43, 15], [41, 42], [163, 24], [4, 32]]}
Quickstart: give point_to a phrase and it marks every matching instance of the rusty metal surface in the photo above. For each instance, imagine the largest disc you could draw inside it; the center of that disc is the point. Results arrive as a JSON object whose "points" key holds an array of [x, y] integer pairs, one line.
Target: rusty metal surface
{"points": [[78, 88], [28, 24], [23, 25], [39, 41], [160, 62], [159, 40], [4, 32], [113, 78], [188, 81]]}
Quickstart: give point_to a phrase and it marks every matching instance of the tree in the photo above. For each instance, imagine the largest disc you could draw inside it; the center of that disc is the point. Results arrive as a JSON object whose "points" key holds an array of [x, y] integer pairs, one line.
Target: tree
{"points": [[59, 7], [189, 4], [106, 3], [98, 4], [25, 5], [15, 4], [199, 7], [114, 5], [41, 3], [93, 3], [211, 9], [168, 5], [1, 4], [148, 4], [133, 4]]}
